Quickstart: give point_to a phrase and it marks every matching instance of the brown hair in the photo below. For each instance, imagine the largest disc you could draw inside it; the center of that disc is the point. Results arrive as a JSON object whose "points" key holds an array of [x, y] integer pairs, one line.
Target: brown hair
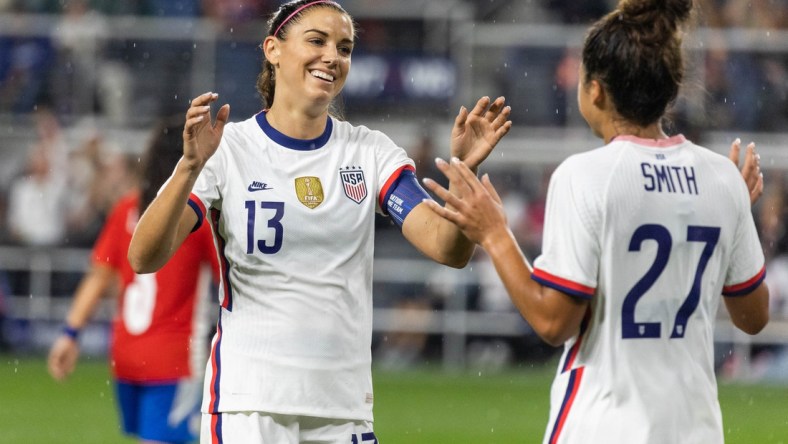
{"points": [[163, 153], [635, 53], [280, 22]]}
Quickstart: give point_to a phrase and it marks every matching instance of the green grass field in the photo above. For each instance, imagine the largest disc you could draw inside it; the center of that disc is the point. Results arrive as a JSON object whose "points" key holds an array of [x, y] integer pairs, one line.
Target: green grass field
{"points": [[420, 406]]}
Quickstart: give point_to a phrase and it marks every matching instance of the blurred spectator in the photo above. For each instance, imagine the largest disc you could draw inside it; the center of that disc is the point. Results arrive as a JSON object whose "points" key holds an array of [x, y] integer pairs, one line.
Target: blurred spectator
{"points": [[162, 69], [238, 58], [772, 362], [423, 153], [86, 81], [745, 89], [24, 67], [533, 220], [771, 216], [78, 39], [566, 78], [36, 212], [233, 12], [98, 176]]}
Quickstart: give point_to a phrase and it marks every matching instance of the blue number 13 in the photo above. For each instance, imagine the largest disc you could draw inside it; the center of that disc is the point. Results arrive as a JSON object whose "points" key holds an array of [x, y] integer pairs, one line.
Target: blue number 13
{"points": [[274, 222], [630, 329]]}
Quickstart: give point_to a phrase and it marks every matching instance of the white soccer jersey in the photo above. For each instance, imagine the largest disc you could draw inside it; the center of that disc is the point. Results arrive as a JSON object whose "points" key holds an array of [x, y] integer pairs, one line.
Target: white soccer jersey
{"points": [[294, 224], [652, 233]]}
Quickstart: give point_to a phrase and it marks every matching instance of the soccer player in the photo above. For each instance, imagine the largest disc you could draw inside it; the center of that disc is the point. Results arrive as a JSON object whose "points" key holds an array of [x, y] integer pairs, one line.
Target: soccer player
{"points": [[291, 194], [644, 237], [160, 332]]}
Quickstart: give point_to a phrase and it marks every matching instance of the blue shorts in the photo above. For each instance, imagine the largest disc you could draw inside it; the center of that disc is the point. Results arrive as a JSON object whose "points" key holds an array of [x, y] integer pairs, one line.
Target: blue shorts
{"points": [[167, 413]]}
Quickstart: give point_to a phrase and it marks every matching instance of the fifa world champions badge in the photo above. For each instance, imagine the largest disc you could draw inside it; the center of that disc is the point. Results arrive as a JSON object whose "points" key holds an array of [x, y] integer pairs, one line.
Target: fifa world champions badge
{"points": [[309, 191], [353, 183]]}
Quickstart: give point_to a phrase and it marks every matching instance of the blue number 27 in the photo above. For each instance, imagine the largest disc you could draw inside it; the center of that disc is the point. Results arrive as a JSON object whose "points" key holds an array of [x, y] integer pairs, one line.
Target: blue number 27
{"points": [[631, 329]]}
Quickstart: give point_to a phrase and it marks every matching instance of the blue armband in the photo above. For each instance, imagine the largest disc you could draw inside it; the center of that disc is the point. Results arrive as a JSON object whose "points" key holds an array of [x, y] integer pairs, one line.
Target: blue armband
{"points": [[403, 196]]}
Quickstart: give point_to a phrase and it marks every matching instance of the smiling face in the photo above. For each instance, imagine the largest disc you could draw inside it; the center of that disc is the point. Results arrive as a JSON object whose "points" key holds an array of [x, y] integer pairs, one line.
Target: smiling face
{"points": [[313, 61]]}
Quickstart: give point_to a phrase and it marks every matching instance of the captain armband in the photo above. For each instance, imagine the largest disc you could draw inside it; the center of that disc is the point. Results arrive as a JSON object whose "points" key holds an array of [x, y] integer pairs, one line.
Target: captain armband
{"points": [[403, 196]]}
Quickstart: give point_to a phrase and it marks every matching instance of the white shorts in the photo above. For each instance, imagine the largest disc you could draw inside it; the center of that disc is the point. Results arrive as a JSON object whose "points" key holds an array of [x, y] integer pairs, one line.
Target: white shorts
{"points": [[272, 428]]}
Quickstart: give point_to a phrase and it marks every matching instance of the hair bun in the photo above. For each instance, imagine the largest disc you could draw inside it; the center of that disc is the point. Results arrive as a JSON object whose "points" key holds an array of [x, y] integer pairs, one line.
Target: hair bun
{"points": [[676, 11]]}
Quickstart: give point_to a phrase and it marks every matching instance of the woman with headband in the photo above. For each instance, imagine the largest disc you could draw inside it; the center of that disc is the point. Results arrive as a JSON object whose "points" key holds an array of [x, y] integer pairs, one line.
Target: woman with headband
{"points": [[291, 194]]}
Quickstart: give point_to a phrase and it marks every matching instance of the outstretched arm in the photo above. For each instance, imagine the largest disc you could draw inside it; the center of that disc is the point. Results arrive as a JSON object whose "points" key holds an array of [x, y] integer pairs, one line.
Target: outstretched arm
{"points": [[479, 213], [65, 350], [473, 137], [168, 220]]}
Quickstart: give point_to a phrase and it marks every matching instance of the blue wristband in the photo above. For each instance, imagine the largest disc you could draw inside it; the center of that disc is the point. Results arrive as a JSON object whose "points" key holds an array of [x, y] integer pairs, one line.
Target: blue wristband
{"points": [[71, 332]]}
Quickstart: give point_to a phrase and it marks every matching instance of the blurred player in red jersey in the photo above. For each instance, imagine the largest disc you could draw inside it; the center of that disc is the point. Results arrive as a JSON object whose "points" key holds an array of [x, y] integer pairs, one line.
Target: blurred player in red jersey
{"points": [[160, 331]]}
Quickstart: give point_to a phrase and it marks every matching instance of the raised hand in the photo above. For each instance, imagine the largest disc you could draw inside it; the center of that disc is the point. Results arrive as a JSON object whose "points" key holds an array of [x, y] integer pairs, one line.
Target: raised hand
{"points": [[476, 133], [751, 171], [475, 208], [201, 137]]}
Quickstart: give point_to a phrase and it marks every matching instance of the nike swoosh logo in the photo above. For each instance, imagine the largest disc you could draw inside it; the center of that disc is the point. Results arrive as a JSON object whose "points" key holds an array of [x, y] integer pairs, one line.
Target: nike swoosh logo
{"points": [[259, 186]]}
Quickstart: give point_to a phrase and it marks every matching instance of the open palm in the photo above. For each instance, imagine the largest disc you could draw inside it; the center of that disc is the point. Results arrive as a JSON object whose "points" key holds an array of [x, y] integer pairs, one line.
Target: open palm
{"points": [[201, 137], [476, 133]]}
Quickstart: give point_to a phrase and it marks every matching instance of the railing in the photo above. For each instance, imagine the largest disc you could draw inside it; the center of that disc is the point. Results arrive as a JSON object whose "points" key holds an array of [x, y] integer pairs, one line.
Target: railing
{"points": [[454, 323]]}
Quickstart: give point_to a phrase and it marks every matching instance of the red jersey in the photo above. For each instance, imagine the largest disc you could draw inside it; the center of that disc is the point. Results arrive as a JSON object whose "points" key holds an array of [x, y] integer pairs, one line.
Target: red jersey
{"points": [[159, 332]]}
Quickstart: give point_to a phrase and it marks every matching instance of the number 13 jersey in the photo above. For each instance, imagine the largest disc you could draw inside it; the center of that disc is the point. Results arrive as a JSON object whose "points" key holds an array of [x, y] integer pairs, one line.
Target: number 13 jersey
{"points": [[652, 233], [294, 225]]}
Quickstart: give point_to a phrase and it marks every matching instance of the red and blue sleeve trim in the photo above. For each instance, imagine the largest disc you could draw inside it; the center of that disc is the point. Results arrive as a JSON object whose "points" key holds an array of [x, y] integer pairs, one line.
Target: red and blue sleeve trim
{"points": [[746, 287], [563, 285], [387, 187], [199, 210]]}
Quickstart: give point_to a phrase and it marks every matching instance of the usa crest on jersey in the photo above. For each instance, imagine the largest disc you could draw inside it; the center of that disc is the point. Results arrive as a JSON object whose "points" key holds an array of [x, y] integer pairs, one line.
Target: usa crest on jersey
{"points": [[354, 184]]}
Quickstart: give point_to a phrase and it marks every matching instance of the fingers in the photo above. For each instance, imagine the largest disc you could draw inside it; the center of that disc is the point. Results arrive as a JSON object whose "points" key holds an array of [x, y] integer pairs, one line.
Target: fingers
{"points": [[752, 172], [222, 116], [495, 109], [61, 362], [481, 107], [757, 191], [204, 99], [451, 216], [465, 173], [199, 112], [462, 178], [491, 189], [461, 118], [752, 160], [444, 194], [733, 155]]}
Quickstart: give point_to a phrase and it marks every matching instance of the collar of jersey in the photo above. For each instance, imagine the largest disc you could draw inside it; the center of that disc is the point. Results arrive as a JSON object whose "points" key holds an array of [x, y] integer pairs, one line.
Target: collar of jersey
{"points": [[289, 142], [660, 143]]}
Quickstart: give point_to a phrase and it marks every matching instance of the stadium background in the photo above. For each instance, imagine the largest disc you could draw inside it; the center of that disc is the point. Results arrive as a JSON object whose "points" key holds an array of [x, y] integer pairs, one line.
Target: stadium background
{"points": [[81, 83]]}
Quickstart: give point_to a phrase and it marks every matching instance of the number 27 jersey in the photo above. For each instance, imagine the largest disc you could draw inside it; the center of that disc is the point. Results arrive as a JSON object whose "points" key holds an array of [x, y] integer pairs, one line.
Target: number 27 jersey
{"points": [[652, 234]]}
